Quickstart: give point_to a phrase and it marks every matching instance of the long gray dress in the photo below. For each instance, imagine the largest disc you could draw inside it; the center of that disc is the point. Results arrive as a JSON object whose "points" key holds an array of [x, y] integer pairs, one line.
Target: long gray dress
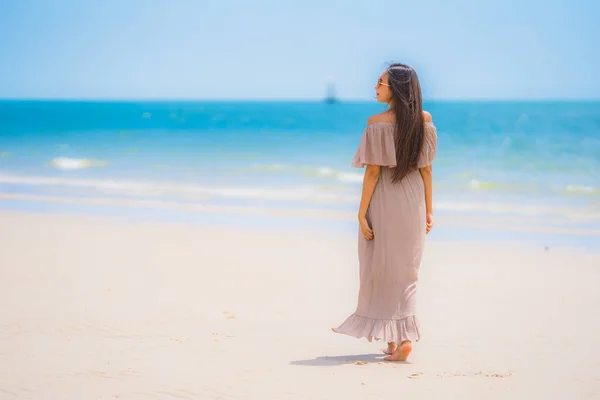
{"points": [[389, 264]]}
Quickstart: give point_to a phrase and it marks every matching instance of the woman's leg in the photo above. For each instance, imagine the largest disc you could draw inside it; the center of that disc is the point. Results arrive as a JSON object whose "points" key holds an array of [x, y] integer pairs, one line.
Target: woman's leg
{"points": [[391, 348]]}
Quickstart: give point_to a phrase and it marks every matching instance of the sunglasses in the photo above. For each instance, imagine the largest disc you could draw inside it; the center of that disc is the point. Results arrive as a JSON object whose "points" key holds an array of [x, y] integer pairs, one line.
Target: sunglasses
{"points": [[381, 83]]}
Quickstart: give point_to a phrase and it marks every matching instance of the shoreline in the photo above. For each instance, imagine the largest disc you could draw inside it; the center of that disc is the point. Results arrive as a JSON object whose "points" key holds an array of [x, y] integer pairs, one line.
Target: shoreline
{"points": [[450, 225]]}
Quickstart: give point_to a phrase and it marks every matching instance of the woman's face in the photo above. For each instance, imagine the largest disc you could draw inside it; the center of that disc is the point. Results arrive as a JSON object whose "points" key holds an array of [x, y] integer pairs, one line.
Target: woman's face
{"points": [[382, 89]]}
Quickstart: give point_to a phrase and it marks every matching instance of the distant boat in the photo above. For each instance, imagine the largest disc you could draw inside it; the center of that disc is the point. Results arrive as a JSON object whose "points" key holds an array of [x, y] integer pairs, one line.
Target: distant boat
{"points": [[330, 96]]}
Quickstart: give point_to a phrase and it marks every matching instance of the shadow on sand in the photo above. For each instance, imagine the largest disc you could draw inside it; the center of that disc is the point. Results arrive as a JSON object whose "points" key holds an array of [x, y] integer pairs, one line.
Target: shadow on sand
{"points": [[328, 361]]}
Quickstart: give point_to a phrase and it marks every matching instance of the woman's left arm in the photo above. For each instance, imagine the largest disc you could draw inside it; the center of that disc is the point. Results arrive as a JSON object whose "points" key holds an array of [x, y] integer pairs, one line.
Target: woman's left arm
{"points": [[369, 182], [427, 182]]}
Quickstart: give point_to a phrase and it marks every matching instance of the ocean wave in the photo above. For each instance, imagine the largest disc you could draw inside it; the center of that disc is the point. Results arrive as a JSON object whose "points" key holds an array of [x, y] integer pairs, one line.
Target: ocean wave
{"points": [[563, 211], [66, 163], [483, 185], [186, 207], [459, 181], [189, 191], [581, 190], [320, 194], [465, 181], [313, 172]]}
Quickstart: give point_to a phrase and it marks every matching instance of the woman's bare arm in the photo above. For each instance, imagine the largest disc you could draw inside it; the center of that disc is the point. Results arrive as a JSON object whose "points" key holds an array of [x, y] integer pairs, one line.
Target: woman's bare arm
{"points": [[369, 182], [427, 181]]}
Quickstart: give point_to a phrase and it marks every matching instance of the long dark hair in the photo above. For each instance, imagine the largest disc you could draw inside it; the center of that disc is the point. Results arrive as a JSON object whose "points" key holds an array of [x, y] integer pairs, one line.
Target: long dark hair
{"points": [[406, 104]]}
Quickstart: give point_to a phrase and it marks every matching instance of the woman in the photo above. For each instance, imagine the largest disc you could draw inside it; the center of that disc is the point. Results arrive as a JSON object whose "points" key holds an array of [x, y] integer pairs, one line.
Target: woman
{"points": [[395, 214]]}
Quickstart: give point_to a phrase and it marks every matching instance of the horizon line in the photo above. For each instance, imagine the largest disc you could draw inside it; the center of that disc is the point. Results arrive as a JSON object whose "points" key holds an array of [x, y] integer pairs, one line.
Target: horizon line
{"points": [[293, 100]]}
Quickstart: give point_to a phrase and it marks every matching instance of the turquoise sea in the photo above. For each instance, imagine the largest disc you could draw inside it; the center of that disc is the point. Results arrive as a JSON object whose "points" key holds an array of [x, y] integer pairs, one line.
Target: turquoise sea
{"points": [[532, 167]]}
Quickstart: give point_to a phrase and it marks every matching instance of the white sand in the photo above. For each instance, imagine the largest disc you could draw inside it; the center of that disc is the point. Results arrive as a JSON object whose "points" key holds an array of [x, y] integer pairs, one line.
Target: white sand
{"points": [[101, 309]]}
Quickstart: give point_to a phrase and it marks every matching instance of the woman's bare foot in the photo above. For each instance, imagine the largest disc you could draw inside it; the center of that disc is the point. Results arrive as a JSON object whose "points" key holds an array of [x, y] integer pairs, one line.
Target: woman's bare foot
{"points": [[401, 353], [390, 349]]}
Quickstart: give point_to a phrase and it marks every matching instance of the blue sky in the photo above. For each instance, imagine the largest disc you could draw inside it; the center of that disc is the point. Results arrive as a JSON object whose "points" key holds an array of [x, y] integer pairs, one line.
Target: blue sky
{"points": [[257, 49]]}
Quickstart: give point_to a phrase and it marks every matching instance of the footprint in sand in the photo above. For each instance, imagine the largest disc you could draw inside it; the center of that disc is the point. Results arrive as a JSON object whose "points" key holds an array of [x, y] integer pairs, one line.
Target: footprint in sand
{"points": [[361, 363], [480, 373], [494, 375], [217, 334], [449, 375], [228, 315], [222, 334]]}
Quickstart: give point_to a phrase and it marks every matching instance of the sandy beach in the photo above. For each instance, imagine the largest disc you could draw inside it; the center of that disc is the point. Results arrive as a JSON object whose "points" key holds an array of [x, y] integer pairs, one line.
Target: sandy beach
{"points": [[111, 309]]}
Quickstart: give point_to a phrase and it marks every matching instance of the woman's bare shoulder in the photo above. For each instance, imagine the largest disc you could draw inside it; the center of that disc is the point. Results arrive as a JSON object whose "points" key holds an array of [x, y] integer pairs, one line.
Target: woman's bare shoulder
{"points": [[427, 117], [384, 117], [387, 117]]}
